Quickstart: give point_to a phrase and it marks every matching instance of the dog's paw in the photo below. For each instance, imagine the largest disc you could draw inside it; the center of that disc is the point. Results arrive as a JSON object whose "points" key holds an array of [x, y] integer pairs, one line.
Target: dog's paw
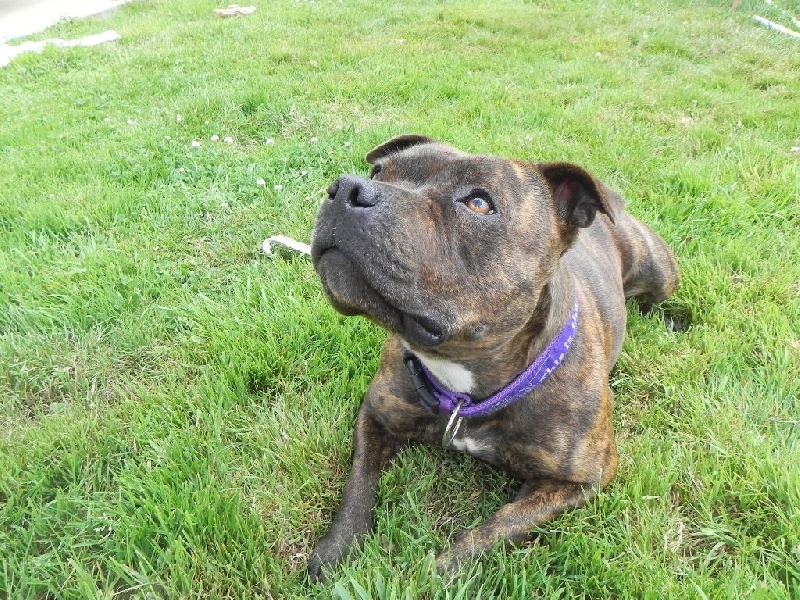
{"points": [[320, 562], [444, 564], [672, 325], [314, 572], [463, 550], [325, 556], [674, 319]]}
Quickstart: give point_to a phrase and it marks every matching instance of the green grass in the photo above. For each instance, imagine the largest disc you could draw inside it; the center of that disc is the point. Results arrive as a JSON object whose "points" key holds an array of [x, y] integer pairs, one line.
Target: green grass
{"points": [[176, 409]]}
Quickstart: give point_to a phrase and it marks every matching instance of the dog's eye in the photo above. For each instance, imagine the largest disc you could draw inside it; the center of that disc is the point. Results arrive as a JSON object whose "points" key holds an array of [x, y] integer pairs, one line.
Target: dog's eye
{"points": [[375, 173], [480, 205]]}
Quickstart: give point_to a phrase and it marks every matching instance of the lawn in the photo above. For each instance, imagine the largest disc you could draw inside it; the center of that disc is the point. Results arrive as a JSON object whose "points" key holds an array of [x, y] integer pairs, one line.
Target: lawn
{"points": [[176, 408]]}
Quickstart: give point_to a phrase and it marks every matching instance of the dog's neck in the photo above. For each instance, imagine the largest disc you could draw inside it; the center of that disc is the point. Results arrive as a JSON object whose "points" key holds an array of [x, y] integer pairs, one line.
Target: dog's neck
{"points": [[484, 375]]}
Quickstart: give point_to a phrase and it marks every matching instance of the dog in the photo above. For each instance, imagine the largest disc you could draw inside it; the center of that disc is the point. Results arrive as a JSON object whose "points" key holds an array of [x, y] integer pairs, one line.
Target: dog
{"points": [[503, 286]]}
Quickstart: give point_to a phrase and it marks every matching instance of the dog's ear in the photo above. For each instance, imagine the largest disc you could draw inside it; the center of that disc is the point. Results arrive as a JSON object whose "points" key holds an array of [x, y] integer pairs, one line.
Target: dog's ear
{"points": [[577, 194], [396, 144]]}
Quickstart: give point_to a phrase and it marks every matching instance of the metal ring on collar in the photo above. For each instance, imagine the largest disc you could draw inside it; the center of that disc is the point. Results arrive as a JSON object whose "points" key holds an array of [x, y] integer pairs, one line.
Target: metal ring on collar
{"points": [[453, 425]]}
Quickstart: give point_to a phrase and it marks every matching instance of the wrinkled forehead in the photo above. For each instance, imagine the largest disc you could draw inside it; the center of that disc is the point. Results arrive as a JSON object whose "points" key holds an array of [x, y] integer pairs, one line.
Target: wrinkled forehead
{"points": [[440, 164]]}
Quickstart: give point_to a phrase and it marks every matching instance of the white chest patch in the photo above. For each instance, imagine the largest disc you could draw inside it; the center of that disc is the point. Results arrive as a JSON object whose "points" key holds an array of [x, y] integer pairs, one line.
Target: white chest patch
{"points": [[469, 445], [452, 375]]}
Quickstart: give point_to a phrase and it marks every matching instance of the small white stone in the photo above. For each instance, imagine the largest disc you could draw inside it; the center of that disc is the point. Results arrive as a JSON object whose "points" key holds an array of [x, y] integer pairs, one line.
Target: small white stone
{"points": [[195, 144], [179, 118], [270, 142], [278, 187], [227, 139], [260, 182], [215, 138]]}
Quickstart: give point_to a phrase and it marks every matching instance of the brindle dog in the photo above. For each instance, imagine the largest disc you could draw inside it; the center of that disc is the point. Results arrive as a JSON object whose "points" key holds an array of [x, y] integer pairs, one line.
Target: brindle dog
{"points": [[474, 264]]}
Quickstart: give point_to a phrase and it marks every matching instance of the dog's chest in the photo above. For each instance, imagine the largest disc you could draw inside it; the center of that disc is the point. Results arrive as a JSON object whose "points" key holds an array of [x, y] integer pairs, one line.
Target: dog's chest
{"points": [[500, 446], [475, 446], [480, 441]]}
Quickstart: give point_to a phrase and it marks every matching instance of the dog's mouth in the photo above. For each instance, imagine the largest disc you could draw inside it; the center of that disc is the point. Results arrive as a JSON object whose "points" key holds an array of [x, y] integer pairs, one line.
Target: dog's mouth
{"points": [[351, 294], [421, 330]]}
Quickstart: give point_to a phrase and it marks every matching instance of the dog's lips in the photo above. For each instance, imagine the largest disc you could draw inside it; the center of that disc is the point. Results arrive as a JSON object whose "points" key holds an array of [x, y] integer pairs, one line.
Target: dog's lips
{"points": [[421, 330], [318, 251], [350, 293]]}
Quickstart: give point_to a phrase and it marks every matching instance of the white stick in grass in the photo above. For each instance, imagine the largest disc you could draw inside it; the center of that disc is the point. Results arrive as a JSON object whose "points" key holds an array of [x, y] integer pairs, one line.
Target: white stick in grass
{"points": [[284, 241]]}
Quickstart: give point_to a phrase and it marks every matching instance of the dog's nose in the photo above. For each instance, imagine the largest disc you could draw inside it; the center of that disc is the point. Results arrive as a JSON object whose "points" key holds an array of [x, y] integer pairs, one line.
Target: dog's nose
{"points": [[355, 191]]}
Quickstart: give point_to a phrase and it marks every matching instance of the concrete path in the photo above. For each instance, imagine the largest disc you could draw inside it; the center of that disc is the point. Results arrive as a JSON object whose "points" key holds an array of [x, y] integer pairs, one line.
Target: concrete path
{"points": [[19, 18]]}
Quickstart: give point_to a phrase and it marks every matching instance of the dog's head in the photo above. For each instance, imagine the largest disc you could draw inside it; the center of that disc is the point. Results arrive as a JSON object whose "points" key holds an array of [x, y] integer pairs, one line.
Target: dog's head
{"points": [[448, 250]]}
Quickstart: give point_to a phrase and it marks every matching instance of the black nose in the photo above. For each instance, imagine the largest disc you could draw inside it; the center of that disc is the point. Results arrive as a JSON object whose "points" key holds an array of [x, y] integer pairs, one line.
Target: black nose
{"points": [[355, 191]]}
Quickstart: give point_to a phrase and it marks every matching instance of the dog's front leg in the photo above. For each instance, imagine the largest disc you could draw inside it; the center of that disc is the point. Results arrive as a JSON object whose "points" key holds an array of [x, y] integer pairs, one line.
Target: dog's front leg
{"points": [[538, 501], [374, 448]]}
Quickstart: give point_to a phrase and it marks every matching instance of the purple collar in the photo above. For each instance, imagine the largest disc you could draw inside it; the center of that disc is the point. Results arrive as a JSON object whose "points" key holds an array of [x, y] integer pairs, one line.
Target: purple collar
{"points": [[438, 398]]}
